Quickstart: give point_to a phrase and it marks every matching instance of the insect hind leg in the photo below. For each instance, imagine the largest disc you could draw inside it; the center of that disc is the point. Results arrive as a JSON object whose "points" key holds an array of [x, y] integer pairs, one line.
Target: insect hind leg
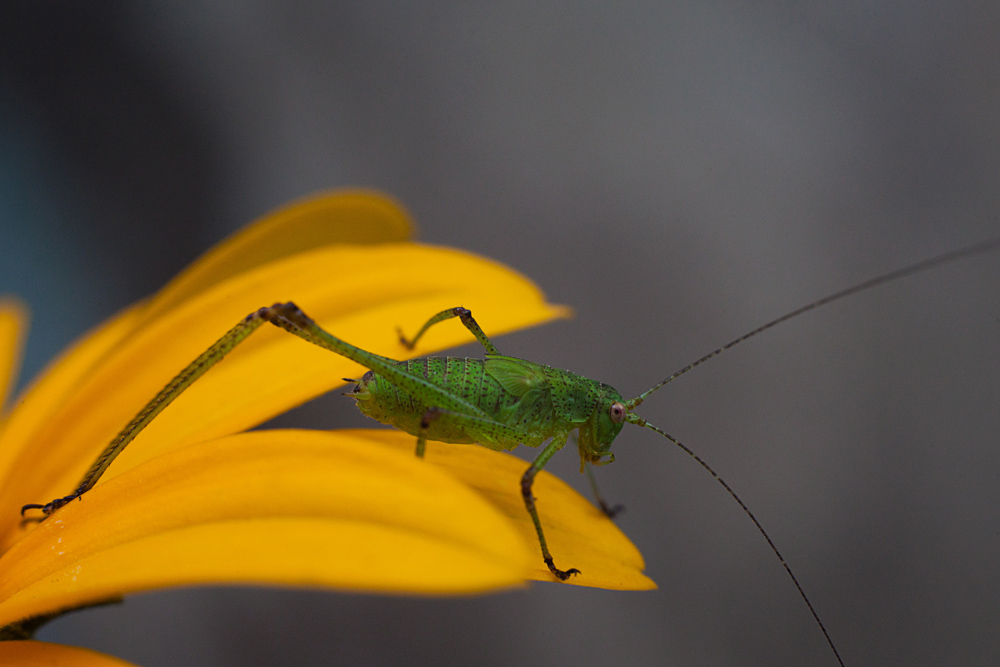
{"points": [[463, 314], [51, 506]]}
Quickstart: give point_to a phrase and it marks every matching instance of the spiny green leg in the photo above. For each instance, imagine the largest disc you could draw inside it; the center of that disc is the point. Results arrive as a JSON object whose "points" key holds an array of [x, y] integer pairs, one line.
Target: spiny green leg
{"points": [[288, 316], [609, 511], [529, 501], [174, 388], [465, 315]]}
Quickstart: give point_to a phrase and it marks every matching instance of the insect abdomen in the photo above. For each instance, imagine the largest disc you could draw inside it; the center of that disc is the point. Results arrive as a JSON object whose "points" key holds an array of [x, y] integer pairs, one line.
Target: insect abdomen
{"points": [[463, 377]]}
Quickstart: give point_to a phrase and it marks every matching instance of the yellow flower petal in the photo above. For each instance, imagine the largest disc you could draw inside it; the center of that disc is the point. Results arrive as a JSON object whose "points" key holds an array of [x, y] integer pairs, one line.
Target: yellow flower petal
{"points": [[351, 216], [280, 507], [42, 654], [13, 325], [579, 535], [340, 217], [272, 371]]}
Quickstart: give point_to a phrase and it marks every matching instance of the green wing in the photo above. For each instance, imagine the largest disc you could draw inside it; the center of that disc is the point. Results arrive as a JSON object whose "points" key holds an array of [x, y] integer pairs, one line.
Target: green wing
{"points": [[516, 376]]}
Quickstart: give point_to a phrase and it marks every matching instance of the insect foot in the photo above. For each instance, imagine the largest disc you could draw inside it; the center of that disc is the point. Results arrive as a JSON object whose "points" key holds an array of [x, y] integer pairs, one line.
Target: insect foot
{"points": [[529, 502], [610, 511], [561, 575], [50, 507]]}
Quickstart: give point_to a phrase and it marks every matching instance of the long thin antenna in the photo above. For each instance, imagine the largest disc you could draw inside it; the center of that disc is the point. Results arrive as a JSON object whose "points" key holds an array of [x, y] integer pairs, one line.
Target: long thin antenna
{"points": [[639, 421], [860, 287]]}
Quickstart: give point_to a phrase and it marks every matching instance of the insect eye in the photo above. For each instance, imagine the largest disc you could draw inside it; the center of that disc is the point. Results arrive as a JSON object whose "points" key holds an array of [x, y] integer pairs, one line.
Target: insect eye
{"points": [[617, 411]]}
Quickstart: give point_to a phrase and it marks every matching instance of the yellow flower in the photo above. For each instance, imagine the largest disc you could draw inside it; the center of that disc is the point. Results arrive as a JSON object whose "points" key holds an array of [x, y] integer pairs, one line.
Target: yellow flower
{"points": [[196, 500]]}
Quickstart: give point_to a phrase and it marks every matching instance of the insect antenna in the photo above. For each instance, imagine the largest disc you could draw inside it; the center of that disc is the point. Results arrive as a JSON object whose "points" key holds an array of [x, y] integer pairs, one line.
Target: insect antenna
{"points": [[639, 421], [912, 269], [924, 265]]}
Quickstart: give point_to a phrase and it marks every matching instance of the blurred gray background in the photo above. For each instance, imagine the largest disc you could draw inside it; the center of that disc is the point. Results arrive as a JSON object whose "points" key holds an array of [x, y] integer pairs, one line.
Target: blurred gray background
{"points": [[679, 173]]}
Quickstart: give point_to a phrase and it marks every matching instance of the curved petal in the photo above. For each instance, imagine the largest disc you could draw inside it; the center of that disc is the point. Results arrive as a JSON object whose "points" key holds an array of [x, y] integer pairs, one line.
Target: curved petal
{"points": [[578, 534], [346, 216], [272, 371], [279, 507], [42, 654], [13, 326]]}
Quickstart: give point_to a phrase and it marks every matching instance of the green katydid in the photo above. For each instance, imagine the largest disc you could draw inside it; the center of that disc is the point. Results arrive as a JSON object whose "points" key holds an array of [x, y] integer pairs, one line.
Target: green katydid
{"points": [[499, 402]]}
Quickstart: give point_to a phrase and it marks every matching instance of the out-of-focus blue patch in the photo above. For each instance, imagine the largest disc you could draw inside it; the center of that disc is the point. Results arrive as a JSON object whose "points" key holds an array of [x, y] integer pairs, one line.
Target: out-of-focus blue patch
{"points": [[43, 256]]}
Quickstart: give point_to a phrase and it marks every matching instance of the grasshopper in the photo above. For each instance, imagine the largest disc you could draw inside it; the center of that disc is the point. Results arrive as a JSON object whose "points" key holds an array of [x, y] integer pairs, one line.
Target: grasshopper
{"points": [[499, 402]]}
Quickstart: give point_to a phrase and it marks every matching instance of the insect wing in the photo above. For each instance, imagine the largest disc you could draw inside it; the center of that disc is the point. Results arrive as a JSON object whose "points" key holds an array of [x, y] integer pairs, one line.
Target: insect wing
{"points": [[516, 376]]}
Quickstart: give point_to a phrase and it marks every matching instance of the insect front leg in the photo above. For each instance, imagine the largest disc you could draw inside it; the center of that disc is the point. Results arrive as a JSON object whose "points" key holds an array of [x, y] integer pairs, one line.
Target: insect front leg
{"points": [[465, 315], [529, 502]]}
